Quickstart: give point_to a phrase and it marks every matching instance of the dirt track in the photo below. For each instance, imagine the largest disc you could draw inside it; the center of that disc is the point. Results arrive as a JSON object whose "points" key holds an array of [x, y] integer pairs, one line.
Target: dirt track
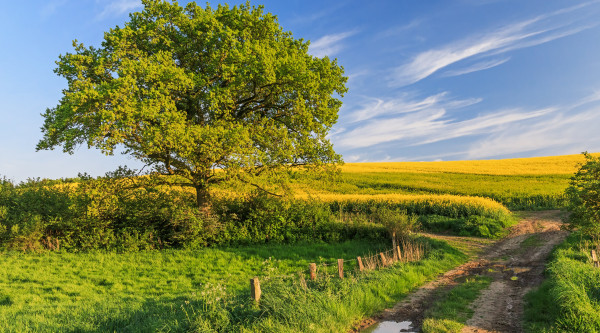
{"points": [[516, 264]]}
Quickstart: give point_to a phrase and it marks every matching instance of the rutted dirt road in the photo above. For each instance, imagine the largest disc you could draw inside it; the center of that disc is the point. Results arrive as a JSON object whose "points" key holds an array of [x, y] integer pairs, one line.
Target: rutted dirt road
{"points": [[516, 264]]}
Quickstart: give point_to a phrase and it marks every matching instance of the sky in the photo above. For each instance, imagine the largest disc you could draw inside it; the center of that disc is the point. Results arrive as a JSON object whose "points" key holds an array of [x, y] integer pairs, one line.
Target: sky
{"points": [[428, 80]]}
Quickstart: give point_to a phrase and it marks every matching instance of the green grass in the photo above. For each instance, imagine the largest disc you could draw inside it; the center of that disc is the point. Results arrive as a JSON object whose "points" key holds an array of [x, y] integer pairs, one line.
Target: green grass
{"points": [[532, 241], [569, 299], [100, 291], [179, 290], [451, 311]]}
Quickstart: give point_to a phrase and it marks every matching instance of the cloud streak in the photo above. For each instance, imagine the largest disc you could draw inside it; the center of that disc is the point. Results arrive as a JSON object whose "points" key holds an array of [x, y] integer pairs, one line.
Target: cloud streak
{"points": [[377, 107], [329, 45], [561, 133], [429, 126], [51, 7], [477, 67], [514, 36], [119, 7], [552, 130]]}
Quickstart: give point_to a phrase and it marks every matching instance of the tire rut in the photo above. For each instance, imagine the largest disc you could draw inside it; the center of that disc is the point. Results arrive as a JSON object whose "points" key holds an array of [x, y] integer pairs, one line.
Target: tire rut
{"points": [[516, 264]]}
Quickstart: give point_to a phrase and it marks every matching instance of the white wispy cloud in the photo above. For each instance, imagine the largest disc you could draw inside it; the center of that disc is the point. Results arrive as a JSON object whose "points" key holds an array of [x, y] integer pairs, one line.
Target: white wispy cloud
{"points": [[551, 130], [430, 125], [329, 45], [541, 29], [561, 133], [399, 29], [572, 129], [483, 65], [353, 158], [591, 98], [119, 7], [377, 107], [51, 7], [334, 7], [555, 129], [485, 124]]}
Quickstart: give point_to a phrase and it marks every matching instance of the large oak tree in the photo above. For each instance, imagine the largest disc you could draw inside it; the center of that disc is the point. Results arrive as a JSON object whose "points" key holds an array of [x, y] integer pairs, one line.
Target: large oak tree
{"points": [[200, 93]]}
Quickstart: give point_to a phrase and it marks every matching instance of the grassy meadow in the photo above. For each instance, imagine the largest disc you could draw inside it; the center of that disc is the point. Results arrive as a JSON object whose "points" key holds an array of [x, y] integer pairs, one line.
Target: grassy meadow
{"points": [[203, 290], [95, 255]]}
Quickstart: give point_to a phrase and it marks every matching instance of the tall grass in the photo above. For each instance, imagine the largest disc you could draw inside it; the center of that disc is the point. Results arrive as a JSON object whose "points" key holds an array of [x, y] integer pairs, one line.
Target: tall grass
{"points": [[569, 300]]}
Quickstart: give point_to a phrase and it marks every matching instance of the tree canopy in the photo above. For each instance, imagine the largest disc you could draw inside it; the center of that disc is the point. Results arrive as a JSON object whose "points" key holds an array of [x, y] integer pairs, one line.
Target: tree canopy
{"points": [[201, 93]]}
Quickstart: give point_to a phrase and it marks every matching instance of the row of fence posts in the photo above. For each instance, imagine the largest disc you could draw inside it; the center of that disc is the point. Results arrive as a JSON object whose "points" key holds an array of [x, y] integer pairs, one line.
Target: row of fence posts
{"points": [[255, 291]]}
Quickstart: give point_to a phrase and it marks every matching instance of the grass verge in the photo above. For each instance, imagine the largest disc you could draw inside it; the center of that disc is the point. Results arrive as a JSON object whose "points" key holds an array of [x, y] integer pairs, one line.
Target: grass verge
{"points": [[451, 311], [569, 299]]}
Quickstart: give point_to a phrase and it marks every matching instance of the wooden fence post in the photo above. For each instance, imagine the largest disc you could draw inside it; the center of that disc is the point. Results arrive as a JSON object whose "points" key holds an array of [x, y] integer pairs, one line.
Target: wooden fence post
{"points": [[255, 289], [360, 264], [399, 253], [594, 258], [341, 268], [312, 267], [383, 260]]}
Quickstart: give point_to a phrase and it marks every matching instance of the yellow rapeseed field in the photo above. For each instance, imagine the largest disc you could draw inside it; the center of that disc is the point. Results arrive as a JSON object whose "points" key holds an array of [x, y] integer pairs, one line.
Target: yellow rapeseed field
{"points": [[565, 164], [431, 203]]}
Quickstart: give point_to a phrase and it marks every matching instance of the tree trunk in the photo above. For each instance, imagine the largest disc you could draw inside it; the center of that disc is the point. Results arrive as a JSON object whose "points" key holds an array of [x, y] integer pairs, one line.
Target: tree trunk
{"points": [[203, 199]]}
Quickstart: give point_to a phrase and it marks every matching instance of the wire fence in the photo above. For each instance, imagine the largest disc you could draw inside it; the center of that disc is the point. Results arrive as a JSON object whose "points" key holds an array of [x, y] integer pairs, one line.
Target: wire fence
{"points": [[404, 252]]}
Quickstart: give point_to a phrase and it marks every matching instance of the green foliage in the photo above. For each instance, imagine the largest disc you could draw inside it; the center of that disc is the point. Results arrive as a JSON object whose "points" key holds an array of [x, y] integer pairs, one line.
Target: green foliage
{"points": [[474, 225], [261, 218], [568, 300], [583, 194], [395, 221], [192, 90], [123, 213]]}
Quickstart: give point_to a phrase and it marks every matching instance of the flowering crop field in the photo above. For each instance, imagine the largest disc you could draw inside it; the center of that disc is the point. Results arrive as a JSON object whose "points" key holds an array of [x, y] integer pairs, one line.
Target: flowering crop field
{"points": [[521, 184], [549, 165], [420, 204]]}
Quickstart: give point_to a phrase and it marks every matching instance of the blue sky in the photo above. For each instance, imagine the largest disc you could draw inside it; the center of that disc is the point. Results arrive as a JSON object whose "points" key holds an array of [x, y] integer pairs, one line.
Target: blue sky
{"points": [[428, 80]]}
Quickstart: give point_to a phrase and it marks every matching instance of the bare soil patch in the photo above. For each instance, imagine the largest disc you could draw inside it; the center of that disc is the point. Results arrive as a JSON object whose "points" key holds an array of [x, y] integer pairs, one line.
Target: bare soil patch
{"points": [[516, 264]]}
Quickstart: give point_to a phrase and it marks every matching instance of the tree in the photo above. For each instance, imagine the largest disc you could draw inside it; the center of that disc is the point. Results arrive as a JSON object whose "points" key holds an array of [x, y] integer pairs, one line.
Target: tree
{"points": [[203, 94], [583, 195], [397, 222]]}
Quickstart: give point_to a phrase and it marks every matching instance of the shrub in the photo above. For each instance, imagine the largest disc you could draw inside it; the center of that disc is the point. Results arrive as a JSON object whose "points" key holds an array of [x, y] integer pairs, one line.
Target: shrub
{"points": [[124, 213], [583, 196], [265, 219], [395, 221], [467, 226]]}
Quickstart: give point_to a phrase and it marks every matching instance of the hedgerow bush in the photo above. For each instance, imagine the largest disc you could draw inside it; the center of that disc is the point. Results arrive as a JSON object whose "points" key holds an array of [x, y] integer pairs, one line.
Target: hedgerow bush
{"points": [[474, 225], [126, 214]]}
